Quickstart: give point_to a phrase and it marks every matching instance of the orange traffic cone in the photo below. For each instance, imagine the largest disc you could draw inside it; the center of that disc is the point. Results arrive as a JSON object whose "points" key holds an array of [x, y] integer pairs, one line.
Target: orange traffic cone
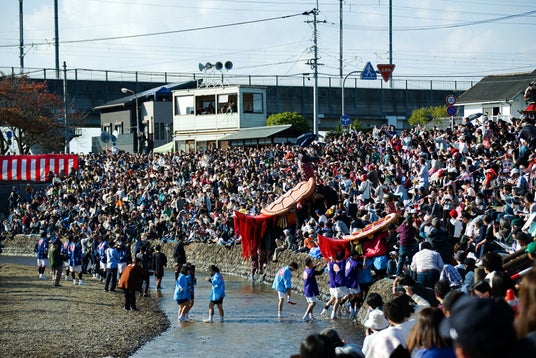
{"points": [[512, 300], [510, 295]]}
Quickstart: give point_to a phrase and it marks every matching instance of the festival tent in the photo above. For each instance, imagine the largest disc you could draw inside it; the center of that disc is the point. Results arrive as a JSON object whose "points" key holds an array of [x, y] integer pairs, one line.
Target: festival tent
{"points": [[166, 148]]}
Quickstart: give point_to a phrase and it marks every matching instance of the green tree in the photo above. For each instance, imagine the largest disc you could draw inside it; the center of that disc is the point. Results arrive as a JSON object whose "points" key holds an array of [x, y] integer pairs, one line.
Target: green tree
{"points": [[339, 130], [423, 116], [299, 123]]}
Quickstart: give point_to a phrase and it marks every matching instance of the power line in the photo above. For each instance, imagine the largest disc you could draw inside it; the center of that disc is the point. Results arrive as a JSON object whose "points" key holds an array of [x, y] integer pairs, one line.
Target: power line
{"points": [[169, 32], [436, 27]]}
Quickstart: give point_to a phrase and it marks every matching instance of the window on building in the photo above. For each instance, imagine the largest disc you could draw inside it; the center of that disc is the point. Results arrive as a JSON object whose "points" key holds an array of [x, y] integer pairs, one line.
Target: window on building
{"points": [[205, 104], [169, 131], [184, 105], [119, 128], [162, 131], [252, 103], [227, 103]]}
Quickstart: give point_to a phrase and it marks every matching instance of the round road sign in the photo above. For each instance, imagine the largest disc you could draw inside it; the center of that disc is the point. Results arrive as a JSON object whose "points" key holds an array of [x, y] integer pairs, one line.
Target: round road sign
{"points": [[345, 120], [451, 99], [451, 110]]}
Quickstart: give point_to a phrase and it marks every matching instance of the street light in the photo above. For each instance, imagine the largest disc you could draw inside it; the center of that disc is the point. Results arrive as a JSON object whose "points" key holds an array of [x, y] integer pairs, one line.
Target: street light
{"points": [[342, 90], [126, 90]]}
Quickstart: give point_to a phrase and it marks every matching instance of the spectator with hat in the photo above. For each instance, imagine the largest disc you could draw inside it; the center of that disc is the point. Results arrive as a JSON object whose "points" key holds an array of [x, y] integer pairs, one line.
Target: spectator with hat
{"points": [[455, 225], [397, 311], [482, 328], [517, 238], [375, 322], [531, 250]]}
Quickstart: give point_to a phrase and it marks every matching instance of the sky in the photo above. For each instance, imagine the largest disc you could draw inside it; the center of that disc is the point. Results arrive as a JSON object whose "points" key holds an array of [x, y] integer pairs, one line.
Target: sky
{"points": [[454, 39]]}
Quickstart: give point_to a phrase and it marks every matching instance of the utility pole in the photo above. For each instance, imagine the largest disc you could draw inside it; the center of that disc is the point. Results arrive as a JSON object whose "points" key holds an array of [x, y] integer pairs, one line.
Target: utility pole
{"points": [[391, 38], [341, 47], [57, 38], [314, 66], [315, 91], [66, 118], [21, 35]]}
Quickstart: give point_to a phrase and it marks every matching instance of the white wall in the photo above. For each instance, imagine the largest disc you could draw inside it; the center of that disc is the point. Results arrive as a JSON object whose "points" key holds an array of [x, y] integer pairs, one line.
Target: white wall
{"points": [[82, 144]]}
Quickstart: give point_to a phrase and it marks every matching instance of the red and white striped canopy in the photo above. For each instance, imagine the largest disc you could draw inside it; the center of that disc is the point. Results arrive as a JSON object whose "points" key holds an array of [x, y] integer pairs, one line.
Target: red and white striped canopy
{"points": [[35, 167]]}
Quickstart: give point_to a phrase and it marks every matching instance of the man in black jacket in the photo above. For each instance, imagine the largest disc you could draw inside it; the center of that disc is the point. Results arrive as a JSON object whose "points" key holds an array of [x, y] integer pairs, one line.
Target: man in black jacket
{"points": [[179, 255]]}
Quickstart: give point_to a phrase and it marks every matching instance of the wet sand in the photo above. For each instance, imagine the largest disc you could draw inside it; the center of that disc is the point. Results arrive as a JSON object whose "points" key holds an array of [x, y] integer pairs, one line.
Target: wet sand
{"points": [[39, 320]]}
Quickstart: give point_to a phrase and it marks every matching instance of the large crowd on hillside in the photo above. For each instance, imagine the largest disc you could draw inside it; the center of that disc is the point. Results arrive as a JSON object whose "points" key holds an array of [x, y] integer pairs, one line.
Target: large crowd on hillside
{"points": [[463, 196]]}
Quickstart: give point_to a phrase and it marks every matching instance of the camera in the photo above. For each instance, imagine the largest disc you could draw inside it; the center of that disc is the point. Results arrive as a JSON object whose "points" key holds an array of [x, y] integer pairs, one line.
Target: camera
{"points": [[400, 290]]}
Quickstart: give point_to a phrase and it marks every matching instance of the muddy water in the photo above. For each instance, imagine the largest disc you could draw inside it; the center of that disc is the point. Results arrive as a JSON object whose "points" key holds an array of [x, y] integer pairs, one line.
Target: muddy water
{"points": [[251, 327]]}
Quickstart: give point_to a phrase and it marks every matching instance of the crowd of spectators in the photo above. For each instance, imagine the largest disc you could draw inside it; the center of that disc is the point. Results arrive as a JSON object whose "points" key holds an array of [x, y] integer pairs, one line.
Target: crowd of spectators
{"points": [[466, 192]]}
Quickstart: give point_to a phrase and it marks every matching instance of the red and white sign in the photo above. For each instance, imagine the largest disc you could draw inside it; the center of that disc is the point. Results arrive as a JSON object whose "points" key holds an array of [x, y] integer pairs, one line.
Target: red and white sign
{"points": [[450, 100], [35, 167], [385, 70]]}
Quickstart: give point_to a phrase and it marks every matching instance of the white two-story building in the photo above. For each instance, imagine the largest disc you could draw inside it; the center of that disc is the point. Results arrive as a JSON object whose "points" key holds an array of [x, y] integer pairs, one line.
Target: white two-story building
{"points": [[221, 116]]}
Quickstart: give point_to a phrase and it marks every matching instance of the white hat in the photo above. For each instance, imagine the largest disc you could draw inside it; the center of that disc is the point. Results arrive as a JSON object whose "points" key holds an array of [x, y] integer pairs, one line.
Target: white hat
{"points": [[376, 320], [514, 171]]}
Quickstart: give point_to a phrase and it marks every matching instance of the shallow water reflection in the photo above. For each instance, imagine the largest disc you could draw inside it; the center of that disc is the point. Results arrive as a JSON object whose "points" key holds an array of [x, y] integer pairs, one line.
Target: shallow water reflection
{"points": [[251, 327]]}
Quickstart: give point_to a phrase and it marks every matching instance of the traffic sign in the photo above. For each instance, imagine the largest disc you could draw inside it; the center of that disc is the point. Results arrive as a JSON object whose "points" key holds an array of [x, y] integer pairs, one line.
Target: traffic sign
{"points": [[451, 110], [105, 136], [385, 70], [451, 99], [345, 120], [368, 72]]}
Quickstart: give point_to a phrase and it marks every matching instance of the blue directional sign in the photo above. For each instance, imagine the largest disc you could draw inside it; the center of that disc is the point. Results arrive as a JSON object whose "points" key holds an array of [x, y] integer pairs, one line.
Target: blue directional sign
{"points": [[368, 73], [345, 120]]}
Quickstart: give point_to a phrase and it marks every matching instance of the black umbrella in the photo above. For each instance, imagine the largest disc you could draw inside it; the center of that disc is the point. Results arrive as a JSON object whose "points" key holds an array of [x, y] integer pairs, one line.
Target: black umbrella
{"points": [[305, 139], [474, 116]]}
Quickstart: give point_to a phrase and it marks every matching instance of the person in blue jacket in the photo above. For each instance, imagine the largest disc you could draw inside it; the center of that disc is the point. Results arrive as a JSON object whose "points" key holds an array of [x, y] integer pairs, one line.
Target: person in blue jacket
{"points": [[216, 294], [41, 251], [101, 252], [65, 254], [112, 261], [283, 285], [182, 292], [75, 260]]}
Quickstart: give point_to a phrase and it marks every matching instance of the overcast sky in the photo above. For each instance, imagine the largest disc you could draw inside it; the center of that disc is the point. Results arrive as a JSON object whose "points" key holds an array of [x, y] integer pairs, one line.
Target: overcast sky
{"points": [[272, 37]]}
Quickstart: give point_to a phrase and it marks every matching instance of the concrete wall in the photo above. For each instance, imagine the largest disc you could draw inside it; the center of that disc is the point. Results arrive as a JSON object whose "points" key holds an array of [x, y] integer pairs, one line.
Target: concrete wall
{"points": [[367, 104]]}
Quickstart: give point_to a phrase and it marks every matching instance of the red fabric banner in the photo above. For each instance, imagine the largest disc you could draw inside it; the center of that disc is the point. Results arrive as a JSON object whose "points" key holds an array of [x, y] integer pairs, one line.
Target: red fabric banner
{"points": [[252, 229], [330, 247], [35, 167], [376, 246], [371, 248]]}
